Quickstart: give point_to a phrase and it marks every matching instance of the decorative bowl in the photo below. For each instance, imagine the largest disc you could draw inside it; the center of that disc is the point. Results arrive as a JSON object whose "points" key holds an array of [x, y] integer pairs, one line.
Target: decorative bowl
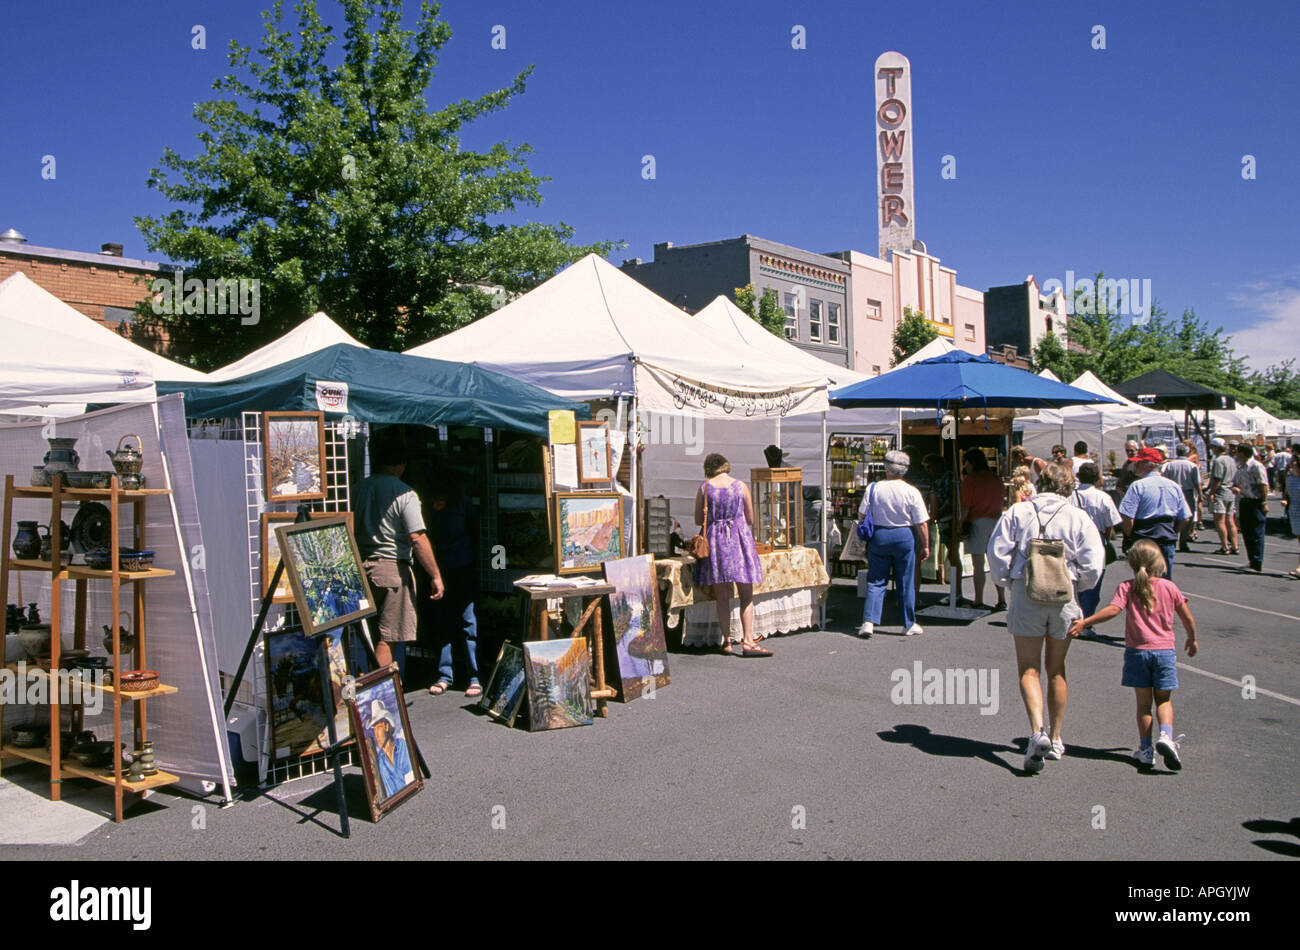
{"points": [[129, 560], [78, 479], [100, 479], [137, 681], [90, 663], [130, 482], [28, 737], [40, 477], [93, 754], [35, 640], [101, 560]]}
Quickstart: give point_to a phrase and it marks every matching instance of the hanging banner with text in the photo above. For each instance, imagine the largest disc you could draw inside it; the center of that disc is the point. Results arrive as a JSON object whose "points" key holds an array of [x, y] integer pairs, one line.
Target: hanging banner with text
{"points": [[665, 391], [895, 218]]}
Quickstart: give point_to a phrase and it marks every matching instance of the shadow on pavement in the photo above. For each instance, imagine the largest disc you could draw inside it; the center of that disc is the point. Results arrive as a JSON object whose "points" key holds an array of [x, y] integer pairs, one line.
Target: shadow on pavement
{"points": [[324, 801], [932, 743], [1268, 826]]}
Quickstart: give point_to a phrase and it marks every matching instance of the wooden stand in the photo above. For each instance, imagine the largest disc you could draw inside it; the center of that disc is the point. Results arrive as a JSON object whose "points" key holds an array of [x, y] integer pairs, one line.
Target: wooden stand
{"points": [[539, 628], [58, 496]]}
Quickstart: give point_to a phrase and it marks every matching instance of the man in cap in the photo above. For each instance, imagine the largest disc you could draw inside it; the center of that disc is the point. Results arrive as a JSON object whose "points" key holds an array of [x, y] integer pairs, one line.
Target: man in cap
{"points": [[1251, 488], [1223, 503], [1154, 507], [395, 771]]}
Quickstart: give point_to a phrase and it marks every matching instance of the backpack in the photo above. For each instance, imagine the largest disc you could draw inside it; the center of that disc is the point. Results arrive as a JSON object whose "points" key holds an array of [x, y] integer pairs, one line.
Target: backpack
{"points": [[1047, 579]]}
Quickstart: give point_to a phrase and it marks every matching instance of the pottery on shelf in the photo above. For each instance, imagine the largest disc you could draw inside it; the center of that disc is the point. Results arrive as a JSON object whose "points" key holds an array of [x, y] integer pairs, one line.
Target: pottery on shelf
{"points": [[28, 737], [35, 640], [125, 638], [62, 457], [99, 560], [27, 540], [130, 482], [128, 460], [40, 477]]}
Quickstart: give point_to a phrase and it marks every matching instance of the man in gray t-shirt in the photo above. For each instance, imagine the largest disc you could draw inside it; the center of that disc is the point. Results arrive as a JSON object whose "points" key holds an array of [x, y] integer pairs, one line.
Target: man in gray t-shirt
{"points": [[1223, 469], [390, 529], [1187, 475]]}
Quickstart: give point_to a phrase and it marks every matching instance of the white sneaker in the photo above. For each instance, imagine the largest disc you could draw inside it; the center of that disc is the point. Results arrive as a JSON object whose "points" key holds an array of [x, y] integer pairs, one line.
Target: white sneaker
{"points": [[1145, 758], [866, 630], [1039, 745], [1056, 752], [1168, 748], [914, 630]]}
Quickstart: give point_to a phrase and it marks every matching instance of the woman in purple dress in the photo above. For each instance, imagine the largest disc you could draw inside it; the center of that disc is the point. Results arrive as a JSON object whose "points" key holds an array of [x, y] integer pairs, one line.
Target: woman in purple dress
{"points": [[732, 555]]}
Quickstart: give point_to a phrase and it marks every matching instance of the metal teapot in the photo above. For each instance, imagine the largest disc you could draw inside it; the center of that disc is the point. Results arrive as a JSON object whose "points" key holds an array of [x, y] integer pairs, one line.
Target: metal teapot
{"points": [[127, 461], [125, 638]]}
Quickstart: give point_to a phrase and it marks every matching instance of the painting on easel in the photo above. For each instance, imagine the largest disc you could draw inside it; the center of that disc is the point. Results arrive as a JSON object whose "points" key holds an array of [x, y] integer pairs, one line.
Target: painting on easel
{"points": [[558, 673], [299, 721], [638, 625]]}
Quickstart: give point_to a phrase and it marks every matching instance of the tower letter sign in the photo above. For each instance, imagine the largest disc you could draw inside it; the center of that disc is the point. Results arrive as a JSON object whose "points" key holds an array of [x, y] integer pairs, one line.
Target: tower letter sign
{"points": [[894, 170]]}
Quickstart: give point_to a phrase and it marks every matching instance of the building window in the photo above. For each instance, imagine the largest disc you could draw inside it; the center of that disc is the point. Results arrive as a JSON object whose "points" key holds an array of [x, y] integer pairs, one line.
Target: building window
{"points": [[815, 321], [833, 323], [118, 315], [875, 370], [791, 317], [970, 332], [873, 309], [1049, 324]]}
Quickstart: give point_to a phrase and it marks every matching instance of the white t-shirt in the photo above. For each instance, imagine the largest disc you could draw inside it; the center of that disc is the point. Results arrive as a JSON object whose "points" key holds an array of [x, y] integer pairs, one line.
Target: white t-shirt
{"points": [[894, 504], [1077, 462]]}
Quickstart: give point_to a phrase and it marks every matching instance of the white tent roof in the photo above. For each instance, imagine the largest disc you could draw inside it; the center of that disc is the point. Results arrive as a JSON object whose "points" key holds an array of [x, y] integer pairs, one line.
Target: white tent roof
{"points": [[54, 360], [936, 347], [726, 318], [591, 332], [315, 333], [1048, 374], [1239, 421]]}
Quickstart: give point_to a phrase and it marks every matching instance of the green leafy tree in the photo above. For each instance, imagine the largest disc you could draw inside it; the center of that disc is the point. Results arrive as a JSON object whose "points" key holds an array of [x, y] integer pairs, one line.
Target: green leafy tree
{"points": [[766, 309], [326, 176], [1050, 353], [913, 332]]}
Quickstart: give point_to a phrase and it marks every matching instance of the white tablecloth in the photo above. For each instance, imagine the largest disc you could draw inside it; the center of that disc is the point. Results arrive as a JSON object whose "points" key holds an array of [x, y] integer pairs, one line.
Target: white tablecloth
{"points": [[777, 612]]}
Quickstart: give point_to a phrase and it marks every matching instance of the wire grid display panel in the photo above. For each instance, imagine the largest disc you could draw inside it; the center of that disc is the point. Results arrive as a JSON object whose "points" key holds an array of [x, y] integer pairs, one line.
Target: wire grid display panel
{"points": [[337, 498]]}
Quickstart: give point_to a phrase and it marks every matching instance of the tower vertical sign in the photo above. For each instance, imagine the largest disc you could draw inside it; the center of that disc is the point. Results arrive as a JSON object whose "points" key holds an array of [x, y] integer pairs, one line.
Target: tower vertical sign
{"points": [[894, 169]]}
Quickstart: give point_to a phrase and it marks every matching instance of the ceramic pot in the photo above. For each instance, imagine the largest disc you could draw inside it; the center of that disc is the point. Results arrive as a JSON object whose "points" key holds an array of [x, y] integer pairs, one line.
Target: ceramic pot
{"points": [[127, 461], [145, 756], [125, 638], [40, 477], [27, 540], [62, 457], [35, 640], [14, 618], [130, 482]]}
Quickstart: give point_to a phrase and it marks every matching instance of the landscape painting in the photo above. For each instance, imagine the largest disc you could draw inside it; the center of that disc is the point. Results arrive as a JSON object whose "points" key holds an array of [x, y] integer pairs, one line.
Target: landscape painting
{"points": [[505, 689], [558, 673], [638, 625], [324, 568], [271, 552], [593, 452], [389, 761], [589, 530], [293, 450]]}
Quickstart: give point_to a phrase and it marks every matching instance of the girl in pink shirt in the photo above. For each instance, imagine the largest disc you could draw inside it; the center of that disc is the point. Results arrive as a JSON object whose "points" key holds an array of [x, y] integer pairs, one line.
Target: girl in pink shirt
{"points": [[1149, 603]]}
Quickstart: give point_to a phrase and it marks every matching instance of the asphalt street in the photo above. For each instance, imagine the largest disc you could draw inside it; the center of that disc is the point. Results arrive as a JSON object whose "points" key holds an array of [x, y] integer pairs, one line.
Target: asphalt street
{"points": [[806, 755]]}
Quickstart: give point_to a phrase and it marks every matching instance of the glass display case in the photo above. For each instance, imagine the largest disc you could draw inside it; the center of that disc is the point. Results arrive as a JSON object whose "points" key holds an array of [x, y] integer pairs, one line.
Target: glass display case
{"points": [[855, 460], [778, 508]]}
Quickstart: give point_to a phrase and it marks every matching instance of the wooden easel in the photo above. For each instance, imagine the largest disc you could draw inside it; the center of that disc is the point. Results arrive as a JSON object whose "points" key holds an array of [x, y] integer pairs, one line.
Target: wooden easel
{"points": [[540, 627]]}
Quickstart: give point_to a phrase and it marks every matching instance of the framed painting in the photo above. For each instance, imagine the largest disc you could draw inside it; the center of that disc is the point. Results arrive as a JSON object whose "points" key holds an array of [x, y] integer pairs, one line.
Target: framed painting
{"points": [[325, 575], [588, 530], [593, 453], [558, 674], [505, 689], [293, 455], [298, 714], [638, 625], [271, 552], [389, 760]]}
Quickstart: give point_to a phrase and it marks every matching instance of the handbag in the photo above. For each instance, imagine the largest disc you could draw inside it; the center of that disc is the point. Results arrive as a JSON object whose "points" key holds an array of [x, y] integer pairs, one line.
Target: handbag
{"points": [[867, 526], [1047, 579], [698, 546]]}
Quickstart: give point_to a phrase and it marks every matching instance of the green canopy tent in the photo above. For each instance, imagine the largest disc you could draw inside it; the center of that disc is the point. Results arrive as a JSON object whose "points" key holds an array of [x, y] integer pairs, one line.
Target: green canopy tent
{"points": [[377, 386]]}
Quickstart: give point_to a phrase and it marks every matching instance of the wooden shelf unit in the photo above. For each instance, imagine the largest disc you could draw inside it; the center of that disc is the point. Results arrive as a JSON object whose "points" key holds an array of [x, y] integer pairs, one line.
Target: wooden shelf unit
{"points": [[81, 576]]}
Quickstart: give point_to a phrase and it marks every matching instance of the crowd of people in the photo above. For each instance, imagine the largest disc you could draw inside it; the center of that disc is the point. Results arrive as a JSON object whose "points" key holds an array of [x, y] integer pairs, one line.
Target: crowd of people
{"points": [[1045, 552]]}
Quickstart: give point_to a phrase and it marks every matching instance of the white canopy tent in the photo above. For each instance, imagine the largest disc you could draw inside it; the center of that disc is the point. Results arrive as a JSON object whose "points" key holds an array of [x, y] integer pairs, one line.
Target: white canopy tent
{"points": [[1048, 374], [1102, 425], [1235, 422], [315, 333]]}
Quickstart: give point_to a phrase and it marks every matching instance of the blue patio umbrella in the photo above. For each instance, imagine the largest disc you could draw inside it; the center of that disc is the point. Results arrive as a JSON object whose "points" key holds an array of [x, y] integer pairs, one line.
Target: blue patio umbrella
{"points": [[956, 381]]}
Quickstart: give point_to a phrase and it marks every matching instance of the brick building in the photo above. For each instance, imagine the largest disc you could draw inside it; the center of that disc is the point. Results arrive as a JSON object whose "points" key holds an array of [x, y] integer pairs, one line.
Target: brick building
{"points": [[105, 286]]}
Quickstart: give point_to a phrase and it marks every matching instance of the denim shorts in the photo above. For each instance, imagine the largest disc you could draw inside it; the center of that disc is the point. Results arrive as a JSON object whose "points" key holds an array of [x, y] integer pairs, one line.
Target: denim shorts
{"points": [[1150, 669]]}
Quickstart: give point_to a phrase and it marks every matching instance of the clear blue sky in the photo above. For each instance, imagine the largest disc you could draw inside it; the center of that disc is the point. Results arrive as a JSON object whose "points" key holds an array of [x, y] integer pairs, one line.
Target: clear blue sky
{"points": [[1068, 158]]}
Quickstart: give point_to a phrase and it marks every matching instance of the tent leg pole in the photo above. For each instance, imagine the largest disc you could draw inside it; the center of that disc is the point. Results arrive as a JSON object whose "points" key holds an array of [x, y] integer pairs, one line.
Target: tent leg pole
{"points": [[821, 534]]}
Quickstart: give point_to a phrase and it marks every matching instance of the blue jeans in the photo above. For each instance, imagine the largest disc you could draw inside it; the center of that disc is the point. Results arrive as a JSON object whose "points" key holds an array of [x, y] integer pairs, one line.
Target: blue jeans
{"points": [[1167, 549], [458, 622], [891, 549], [1089, 600]]}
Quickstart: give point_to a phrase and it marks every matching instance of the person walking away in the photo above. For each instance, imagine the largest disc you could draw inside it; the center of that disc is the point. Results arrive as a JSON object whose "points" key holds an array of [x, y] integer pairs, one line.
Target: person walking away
{"points": [[1080, 458], [1281, 462], [1223, 503], [452, 523], [981, 507], [1291, 499], [1250, 485], [724, 507], [1039, 630], [390, 528], [1097, 505], [1149, 602], [1153, 507], [1182, 472], [901, 535]]}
